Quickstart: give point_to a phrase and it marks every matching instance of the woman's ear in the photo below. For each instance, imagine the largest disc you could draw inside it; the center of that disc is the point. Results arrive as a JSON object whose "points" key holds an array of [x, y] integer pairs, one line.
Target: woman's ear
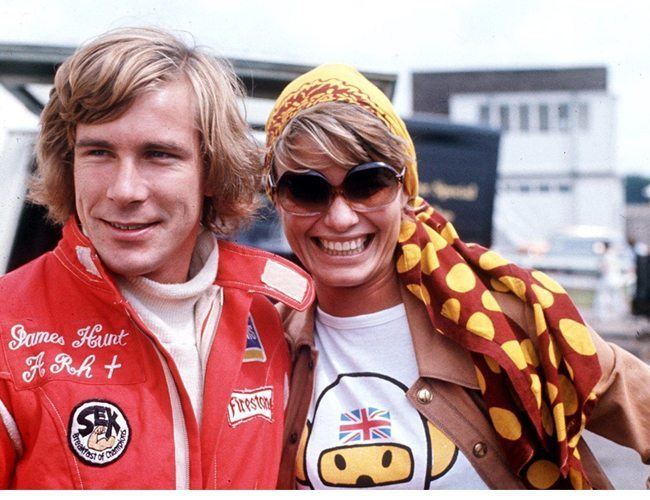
{"points": [[406, 201], [408, 212], [403, 198]]}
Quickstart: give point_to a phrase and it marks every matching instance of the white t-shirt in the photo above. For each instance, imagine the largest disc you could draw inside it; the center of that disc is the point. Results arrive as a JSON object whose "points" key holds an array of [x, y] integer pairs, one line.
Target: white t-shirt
{"points": [[362, 430]]}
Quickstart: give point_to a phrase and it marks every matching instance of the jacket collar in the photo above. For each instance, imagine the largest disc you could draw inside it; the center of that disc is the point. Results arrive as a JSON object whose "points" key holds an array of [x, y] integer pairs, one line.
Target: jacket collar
{"points": [[298, 327], [247, 268], [255, 270], [436, 355], [77, 254]]}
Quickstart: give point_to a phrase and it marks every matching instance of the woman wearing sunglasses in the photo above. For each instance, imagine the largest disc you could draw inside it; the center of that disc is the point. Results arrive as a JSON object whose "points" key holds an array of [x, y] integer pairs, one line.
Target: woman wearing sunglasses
{"points": [[427, 362]]}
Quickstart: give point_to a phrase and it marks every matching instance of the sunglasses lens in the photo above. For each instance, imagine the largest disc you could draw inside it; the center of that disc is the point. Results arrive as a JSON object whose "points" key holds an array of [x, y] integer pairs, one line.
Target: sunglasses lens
{"points": [[371, 187], [303, 193], [365, 187]]}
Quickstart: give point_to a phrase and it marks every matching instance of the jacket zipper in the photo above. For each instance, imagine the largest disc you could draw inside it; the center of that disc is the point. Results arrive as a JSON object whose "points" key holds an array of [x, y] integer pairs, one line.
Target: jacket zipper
{"points": [[182, 483], [178, 419], [219, 298]]}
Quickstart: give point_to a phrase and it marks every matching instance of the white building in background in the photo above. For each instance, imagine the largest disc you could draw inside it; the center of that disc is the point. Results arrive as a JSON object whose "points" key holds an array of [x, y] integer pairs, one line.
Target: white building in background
{"points": [[557, 154]]}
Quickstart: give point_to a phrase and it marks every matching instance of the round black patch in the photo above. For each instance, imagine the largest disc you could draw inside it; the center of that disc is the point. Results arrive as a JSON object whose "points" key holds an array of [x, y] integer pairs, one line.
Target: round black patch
{"points": [[98, 432]]}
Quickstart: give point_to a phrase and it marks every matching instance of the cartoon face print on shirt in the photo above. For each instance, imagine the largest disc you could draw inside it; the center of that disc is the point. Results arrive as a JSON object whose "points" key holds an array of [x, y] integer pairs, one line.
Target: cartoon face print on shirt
{"points": [[353, 445]]}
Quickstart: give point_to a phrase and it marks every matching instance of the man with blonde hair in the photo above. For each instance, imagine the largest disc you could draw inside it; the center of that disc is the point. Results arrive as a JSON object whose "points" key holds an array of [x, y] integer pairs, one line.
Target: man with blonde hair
{"points": [[142, 352]]}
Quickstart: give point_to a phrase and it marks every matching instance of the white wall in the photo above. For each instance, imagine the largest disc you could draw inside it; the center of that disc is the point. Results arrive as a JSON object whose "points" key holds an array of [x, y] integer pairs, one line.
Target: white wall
{"points": [[580, 158], [527, 217], [600, 201], [554, 150]]}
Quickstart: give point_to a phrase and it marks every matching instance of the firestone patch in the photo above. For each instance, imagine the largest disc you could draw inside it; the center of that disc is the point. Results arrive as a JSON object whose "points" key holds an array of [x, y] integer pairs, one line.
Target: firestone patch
{"points": [[246, 405]]}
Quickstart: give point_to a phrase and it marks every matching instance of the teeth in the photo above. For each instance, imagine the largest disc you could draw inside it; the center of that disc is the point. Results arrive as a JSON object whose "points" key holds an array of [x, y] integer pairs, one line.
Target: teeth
{"points": [[129, 227], [349, 247]]}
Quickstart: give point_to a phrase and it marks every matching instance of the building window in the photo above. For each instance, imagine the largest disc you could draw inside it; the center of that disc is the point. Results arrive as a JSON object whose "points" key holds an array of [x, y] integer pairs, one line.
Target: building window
{"points": [[504, 117], [583, 116], [484, 115], [524, 118], [565, 188], [524, 188], [544, 188], [563, 117], [543, 117]]}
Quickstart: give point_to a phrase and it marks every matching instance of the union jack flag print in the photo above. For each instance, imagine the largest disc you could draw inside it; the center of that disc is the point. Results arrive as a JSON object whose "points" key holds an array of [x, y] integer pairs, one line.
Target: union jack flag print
{"points": [[364, 424]]}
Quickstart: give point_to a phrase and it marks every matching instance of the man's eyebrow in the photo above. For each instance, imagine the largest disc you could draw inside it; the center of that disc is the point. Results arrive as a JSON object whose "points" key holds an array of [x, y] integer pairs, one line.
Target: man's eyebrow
{"points": [[168, 146], [101, 143], [90, 142]]}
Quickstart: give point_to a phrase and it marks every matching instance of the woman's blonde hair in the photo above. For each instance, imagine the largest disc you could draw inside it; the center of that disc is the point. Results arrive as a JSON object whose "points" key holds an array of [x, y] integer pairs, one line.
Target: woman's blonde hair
{"points": [[343, 133], [99, 83]]}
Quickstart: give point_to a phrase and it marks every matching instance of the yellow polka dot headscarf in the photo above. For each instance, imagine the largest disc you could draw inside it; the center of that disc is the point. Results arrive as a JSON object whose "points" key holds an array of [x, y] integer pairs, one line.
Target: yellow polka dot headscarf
{"points": [[537, 391]]}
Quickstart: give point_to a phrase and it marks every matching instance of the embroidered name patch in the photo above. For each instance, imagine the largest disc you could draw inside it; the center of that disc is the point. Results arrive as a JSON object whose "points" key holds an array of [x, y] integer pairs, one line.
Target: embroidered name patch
{"points": [[254, 348], [246, 405], [98, 432], [93, 353]]}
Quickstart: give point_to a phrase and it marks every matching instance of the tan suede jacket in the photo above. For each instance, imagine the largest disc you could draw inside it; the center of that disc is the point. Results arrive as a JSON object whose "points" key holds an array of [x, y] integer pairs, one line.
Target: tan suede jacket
{"points": [[447, 394]]}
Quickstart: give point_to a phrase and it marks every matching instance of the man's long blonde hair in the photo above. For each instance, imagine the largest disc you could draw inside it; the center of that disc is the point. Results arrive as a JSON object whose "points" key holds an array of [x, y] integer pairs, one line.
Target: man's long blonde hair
{"points": [[101, 80]]}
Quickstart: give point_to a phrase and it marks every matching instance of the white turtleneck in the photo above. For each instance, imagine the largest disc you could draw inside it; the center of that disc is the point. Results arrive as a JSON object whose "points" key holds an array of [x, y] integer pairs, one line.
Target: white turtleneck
{"points": [[176, 314]]}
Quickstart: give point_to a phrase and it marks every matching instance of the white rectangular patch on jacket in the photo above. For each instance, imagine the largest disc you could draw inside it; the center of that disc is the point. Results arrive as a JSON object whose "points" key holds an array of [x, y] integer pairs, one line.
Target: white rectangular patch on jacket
{"points": [[285, 280], [246, 405]]}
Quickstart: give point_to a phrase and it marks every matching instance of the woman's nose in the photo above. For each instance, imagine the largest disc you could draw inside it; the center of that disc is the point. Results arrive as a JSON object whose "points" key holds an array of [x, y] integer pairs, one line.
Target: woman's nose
{"points": [[340, 215]]}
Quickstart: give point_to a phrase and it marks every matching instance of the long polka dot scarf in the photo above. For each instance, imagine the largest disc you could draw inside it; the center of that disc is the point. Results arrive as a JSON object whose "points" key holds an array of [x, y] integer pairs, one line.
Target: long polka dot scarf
{"points": [[537, 386]]}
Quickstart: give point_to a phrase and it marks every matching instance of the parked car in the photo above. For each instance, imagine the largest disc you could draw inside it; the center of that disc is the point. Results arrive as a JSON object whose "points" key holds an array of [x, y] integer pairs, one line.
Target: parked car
{"points": [[575, 257]]}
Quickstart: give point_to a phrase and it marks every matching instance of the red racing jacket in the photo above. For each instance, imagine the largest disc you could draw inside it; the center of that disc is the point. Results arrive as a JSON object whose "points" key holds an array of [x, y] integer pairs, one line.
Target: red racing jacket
{"points": [[90, 400]]}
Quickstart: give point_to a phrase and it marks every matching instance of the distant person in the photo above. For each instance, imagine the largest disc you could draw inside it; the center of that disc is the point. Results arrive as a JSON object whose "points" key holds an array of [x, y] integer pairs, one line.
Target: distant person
{"points": [[142, 352], [610, 301], [641, 300], [427, 362]]}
